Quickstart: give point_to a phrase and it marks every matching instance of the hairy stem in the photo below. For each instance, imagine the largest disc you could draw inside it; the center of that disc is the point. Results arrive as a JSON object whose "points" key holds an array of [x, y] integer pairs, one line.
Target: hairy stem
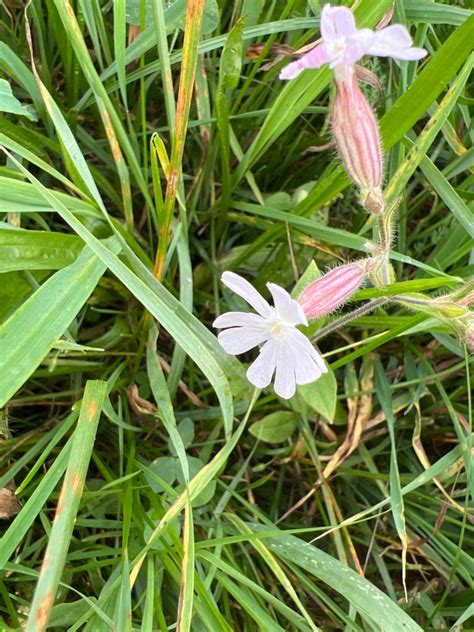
{"points": [[347, 318]]}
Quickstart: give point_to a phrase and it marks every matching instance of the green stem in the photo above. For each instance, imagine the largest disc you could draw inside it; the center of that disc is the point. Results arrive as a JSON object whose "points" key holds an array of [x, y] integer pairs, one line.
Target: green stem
{"points": [[347, 318]]}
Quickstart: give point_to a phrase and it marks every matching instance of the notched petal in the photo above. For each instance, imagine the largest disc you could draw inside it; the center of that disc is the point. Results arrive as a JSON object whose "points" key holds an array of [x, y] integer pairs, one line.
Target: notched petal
{"points": [[244, 289]]}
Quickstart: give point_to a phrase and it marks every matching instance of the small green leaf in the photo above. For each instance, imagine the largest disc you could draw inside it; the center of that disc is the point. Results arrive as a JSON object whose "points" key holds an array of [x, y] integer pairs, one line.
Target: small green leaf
{"points": [[166, 467], [281, 200], [186, 430], [320, 396], [311, 273], [274, 428], [9, 103]]}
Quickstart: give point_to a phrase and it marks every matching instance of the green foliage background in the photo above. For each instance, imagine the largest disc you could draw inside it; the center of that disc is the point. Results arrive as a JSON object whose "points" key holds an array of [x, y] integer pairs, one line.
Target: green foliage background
{"points": [[181, 497]]}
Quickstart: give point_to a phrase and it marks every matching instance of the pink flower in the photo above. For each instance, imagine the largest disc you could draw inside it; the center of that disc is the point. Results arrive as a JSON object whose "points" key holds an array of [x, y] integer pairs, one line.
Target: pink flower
{"points": [[344, 43], [330, 291], [357, 138]]}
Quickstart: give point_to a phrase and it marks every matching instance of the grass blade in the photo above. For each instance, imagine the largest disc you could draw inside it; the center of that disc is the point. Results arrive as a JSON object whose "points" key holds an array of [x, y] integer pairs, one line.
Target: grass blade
{"points": [[68, 506]]}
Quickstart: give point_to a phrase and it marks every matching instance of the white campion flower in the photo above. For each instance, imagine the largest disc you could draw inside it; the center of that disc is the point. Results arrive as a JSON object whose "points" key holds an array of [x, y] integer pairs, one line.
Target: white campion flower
{"points": [[285, 352], [344, 44]]}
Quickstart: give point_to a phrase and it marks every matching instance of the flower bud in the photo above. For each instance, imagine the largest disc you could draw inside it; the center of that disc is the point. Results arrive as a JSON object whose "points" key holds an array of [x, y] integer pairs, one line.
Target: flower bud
{"points": [[357, 138], [331, 290]]}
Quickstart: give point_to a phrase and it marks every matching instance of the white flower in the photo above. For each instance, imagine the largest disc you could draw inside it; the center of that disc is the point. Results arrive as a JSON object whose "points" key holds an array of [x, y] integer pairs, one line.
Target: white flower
{"points": [[285, 351]]}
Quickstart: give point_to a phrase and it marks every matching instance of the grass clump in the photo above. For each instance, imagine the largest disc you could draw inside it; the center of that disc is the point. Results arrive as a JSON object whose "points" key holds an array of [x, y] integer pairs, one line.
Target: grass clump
{"points": [[147, 147]]}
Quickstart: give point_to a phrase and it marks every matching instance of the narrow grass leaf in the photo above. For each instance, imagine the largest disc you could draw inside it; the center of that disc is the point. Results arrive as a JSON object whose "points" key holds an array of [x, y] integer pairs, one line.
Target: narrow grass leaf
{"points": [[396, 497], [371, 602], [420, 148], [17, 530], [68, 506]]}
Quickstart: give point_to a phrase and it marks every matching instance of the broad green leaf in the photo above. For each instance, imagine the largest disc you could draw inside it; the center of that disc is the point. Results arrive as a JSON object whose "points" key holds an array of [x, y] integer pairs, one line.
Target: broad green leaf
{"points": [[274, 428], [14, 288], [321, 396], [28, 335], [9, 103], [463, 212], [435, 12], [37, 250]]}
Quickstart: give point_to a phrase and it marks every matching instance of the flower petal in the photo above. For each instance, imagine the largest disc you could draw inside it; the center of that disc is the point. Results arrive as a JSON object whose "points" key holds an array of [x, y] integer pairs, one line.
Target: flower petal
{"points": [[287, 309], [395, 41], [238, 319], [336, 22], [260, 373], [241, 339], [357, 45], [285, 383], [302, 346], [307, 370], [316, 57], [243, 288]]}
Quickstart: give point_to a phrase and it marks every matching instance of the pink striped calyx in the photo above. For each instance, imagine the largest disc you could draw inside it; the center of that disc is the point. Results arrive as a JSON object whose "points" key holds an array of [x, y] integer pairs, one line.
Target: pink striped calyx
{"points": [[331, 290], [357, 138]]}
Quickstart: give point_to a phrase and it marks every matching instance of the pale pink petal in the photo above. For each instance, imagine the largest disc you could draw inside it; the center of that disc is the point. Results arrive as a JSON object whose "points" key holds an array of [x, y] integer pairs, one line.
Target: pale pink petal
{"points": [[241, 339], [244, 289], [238, 319], [287, 309], [395, 41], [285, 383], [314, 59], [336, 22], [357, 45], [260, 373]]}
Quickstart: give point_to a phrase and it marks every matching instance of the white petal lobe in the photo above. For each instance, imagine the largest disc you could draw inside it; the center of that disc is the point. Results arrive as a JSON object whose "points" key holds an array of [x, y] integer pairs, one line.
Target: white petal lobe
{"points": [[285, 383], [240, 339], [287, 309], [243, 288], [239, 319], [260, 373]]}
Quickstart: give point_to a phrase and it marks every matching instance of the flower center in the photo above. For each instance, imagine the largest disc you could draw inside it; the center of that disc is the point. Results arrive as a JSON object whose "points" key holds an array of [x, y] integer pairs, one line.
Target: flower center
{"points": [[276, 328], [336, 47]]}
